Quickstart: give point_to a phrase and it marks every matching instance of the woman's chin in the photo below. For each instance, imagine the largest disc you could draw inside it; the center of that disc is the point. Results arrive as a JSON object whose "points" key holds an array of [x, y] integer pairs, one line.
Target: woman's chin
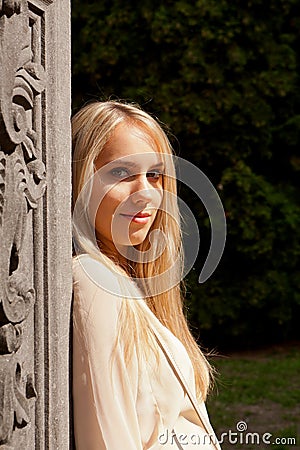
{"points": [[135, 241], [132, 240], [138, 237]]}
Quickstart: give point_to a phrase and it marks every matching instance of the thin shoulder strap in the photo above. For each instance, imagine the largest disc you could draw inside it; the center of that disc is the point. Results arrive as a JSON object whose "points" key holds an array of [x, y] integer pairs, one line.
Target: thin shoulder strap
{"points": [[171, 360]]}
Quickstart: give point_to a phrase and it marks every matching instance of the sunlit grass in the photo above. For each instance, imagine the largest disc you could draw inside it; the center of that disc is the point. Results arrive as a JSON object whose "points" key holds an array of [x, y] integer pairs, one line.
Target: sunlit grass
{"points": [[260, 389]]}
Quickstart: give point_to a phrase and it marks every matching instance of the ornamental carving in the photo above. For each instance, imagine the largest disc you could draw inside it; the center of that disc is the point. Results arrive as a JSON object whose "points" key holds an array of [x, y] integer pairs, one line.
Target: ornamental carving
{"points": [[22, 184]]}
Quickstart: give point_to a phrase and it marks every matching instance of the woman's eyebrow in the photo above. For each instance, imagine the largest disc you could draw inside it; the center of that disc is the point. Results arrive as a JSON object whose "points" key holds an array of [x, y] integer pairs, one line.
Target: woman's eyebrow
{"points": [[160, 164], [133, 164], [123, 163]]}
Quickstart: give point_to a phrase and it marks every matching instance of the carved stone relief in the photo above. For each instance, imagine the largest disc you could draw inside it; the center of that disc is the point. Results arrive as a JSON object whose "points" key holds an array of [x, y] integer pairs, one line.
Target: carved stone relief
{"points": [[35, 226], [22, 185]]}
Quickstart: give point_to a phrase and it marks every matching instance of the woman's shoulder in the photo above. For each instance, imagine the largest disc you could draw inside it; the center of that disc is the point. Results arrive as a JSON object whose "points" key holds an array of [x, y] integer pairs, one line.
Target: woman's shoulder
{"points": [[97, 299], [91, 272]]}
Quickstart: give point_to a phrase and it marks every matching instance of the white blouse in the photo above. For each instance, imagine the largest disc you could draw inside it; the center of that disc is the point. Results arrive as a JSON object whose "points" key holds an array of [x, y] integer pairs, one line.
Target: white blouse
{"points": [[121, 407]]}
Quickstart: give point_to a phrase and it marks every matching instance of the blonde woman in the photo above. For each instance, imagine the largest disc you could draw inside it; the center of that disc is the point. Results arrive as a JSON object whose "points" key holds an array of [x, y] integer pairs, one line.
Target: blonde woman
{"points": [[139, 378]]}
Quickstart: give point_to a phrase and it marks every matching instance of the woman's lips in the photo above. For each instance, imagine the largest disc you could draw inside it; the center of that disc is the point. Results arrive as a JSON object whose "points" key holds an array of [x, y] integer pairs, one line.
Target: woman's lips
{"points": [[138, 218]]}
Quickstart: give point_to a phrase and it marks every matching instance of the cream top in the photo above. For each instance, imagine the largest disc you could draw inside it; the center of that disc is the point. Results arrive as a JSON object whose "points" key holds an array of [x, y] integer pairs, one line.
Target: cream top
{"points": [[119, 407]]}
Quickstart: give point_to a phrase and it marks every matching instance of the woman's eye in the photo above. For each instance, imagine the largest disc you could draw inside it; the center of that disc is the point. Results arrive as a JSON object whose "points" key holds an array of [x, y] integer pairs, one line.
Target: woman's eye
{"points": [[155, 174], [120, 172]]}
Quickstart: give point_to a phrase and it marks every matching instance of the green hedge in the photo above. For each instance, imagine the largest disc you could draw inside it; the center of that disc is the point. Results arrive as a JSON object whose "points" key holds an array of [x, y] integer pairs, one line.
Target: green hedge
{"points": [[224, 76]]}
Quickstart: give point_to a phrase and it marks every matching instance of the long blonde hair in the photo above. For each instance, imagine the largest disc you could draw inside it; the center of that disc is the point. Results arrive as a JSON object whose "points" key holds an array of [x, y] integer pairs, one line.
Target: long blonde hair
{"points": [[93, 126]]}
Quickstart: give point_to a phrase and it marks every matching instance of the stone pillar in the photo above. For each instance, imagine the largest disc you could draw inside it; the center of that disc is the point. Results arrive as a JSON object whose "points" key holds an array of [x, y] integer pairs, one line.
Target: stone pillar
{"points": [[35, 224]]}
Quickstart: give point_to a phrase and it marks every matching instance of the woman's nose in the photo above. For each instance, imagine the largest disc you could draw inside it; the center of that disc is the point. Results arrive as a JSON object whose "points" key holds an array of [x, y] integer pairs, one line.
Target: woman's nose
{"points": [[142, 190]]}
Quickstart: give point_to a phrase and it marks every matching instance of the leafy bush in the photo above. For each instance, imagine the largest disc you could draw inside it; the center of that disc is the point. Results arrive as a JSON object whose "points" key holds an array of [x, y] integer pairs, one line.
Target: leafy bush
{"points": [[224, 76]]}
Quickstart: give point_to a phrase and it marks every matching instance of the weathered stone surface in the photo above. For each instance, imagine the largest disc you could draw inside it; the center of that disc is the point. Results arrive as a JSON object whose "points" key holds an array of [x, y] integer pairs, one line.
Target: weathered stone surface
{"points": [[35, 224]]}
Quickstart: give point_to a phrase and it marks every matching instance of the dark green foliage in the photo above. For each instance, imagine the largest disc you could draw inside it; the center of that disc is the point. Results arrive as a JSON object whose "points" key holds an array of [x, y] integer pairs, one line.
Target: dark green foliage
{"points": [[224, 76]]}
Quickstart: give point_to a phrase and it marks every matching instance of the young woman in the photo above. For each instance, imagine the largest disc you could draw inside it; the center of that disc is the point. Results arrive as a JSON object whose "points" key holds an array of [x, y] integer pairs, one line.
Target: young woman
{"points": [[139, 378]]}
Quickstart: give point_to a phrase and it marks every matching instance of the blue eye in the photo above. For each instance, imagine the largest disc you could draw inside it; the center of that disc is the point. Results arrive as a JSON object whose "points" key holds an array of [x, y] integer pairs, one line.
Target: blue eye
{"points": [[120, 172], [123, 173], [155, 174]]}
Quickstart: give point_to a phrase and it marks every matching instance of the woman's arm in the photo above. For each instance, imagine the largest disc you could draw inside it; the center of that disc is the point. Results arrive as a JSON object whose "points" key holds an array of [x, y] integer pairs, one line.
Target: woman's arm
{"points": [[104, 390]]}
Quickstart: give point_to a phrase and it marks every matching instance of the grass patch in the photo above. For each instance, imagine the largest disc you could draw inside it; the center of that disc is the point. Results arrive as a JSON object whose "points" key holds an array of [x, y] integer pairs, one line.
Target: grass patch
{"points": [[262, 389]]}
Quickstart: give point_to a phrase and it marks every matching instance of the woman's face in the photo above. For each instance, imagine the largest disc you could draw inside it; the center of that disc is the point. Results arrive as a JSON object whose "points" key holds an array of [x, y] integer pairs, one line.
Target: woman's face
{"points": [[128, 188]]}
